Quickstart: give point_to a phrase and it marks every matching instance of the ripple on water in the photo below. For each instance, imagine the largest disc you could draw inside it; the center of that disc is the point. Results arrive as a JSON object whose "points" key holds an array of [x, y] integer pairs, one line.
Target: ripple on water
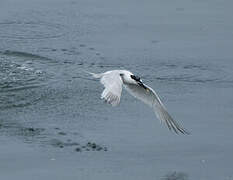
{"points": [[29, 30], [27, 133], [175, 176], [19, 81], [26, 55], [192, 73]]}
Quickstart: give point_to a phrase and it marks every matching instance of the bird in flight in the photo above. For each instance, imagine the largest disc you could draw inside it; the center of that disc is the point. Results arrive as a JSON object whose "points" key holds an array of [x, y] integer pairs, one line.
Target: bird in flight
{"points": [[113, 82]]}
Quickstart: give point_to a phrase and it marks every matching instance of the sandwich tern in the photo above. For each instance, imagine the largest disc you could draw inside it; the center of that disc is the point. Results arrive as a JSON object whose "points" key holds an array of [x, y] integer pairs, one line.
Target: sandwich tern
{"points": [[115, 79]]}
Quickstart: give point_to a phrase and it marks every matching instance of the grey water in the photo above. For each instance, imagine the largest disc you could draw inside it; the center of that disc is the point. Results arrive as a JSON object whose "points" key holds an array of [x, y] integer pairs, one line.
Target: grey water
{"points": [[53, 124]]}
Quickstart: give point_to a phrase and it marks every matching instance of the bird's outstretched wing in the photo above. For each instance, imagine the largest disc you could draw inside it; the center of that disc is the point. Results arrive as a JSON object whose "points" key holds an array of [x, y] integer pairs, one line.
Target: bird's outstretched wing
{"points": [[113, 87], [149, 97]]}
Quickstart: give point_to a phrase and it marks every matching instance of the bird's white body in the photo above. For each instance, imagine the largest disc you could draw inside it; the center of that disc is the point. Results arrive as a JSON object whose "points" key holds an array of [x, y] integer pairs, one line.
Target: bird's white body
{"points": [[115, 79]]}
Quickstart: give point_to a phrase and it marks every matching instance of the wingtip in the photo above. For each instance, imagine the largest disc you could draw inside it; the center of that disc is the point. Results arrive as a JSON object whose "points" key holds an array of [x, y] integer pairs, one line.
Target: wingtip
{"points": [[180, 131], [187, 132]]}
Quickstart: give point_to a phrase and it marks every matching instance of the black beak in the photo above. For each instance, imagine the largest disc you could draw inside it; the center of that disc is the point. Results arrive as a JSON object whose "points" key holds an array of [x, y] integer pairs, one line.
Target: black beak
{"points": [[142, 85]]}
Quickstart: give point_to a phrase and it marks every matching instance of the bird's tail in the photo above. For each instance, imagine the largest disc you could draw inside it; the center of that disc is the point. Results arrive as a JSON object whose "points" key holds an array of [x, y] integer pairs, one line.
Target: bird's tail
{"points": [[94, 74]]}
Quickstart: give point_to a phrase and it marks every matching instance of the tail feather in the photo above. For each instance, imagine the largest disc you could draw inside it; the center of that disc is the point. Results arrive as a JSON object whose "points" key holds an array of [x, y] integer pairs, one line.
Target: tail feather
{"points": [[94, 74]]}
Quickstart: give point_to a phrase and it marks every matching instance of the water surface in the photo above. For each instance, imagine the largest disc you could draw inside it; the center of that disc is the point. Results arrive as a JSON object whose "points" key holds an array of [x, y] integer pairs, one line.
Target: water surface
{"points": [[53, 124]]}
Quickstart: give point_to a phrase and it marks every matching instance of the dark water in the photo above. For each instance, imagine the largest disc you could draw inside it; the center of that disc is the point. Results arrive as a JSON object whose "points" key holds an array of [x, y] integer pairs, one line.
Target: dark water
{"points": [[53, 124]]}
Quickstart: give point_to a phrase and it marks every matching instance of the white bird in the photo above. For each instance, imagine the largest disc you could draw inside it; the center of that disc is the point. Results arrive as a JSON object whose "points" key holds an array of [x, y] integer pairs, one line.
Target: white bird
{"points": [[115, 79]]}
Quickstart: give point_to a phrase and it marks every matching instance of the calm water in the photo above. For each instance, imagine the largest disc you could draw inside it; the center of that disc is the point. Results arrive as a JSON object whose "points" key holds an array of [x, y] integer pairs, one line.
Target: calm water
{"points": [[53, 124]]}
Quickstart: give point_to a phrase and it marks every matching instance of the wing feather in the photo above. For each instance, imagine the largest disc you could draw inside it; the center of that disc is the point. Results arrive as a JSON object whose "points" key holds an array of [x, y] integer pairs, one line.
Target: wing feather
{"points": [[113, 87], [149, 97]]}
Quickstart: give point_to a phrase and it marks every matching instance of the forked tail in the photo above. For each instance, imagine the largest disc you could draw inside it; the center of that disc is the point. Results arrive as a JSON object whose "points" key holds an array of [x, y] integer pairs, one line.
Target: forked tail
{"points": [[94, 74]]}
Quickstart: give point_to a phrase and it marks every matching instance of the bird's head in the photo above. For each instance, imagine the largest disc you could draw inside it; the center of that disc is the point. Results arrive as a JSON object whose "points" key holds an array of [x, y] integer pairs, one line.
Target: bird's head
{"points": [[129, 78]]}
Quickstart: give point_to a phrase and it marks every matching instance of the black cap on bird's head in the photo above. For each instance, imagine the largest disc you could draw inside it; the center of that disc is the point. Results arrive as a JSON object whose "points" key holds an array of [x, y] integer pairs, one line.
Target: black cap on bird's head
{"points": [[138, 80]]}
